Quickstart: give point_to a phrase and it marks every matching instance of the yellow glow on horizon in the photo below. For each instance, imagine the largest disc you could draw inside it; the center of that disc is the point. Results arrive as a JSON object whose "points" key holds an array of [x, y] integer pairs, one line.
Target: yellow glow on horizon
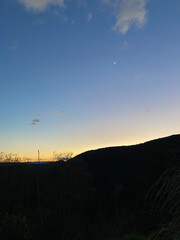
{"points": [[47, 154]]}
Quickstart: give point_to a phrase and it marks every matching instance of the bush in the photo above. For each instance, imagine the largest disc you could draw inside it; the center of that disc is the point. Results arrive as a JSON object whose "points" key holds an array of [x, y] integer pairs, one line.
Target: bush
{"points": [[167, 199], [133, 237], [13, 227]]}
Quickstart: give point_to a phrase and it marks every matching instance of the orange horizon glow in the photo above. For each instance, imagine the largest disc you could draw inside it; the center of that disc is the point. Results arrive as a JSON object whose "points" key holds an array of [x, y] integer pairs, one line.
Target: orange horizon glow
{"points": [[48, 156]]}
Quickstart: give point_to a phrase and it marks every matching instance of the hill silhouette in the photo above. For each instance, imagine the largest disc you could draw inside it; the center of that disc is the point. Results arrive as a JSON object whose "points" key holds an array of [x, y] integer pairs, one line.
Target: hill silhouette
{"points": [[99, 194], [132, 164], [127, 163], [123, 176]]}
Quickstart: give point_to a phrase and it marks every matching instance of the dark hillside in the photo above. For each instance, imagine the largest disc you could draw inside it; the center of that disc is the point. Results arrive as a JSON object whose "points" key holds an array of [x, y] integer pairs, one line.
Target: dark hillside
{"points": [[123, 176], [100, 194], [135, 163]]}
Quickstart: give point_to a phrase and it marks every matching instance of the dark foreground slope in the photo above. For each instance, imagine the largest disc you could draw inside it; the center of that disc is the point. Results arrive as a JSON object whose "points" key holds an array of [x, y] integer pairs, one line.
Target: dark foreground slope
{"points": [[97, 195], [124, 175], [43, 202]]}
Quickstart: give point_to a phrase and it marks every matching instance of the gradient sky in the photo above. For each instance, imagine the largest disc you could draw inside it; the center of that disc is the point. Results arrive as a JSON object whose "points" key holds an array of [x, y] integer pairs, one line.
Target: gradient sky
{"points": [[77, 75]]}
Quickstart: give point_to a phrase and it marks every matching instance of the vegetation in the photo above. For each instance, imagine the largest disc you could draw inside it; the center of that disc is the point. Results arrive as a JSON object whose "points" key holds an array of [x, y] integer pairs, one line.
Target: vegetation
{"points": [[12, 158], [167, 198], [97, 195], [53, 197], [62, 156], [13, 227], [133, 237]]}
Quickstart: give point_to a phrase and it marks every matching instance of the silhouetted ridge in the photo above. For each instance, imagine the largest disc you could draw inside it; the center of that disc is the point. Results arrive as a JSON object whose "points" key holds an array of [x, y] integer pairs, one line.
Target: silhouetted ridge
{"points": [[170, 141], [129, 171], [99, 194]]}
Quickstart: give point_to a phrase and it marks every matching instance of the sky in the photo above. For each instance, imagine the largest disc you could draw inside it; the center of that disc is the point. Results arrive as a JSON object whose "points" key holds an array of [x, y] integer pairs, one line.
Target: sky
{"points": [[77, 75]]}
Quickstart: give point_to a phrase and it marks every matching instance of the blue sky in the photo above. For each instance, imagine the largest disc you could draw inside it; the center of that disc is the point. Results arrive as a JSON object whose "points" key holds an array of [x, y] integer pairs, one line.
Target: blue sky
{"points": [[78, 75]]}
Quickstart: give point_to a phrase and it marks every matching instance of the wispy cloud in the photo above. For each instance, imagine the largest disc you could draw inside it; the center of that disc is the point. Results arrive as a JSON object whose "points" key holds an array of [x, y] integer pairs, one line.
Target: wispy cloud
{"points": [[125, 45], [62, 112], [36, 120], [40, 5], [89, 17], [128, 13], [40, 22], [13, 46], [62, 17], [147, 110], [73, 22], [81, 2]]}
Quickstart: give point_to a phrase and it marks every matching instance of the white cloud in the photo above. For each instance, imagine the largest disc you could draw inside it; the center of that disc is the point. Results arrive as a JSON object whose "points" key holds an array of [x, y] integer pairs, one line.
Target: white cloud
{"points": [[89, 17], [40, 5], [128, 13]]}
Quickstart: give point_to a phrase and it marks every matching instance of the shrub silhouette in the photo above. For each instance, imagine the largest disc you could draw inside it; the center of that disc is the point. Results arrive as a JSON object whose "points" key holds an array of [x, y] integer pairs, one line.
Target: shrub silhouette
{"points": [[133, 237], [13, 227], [167, 199]]}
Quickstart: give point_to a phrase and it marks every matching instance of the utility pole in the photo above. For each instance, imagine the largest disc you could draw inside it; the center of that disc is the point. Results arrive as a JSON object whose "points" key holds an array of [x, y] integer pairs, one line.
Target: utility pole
{"points": [[38, 156], [39, 195]]}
